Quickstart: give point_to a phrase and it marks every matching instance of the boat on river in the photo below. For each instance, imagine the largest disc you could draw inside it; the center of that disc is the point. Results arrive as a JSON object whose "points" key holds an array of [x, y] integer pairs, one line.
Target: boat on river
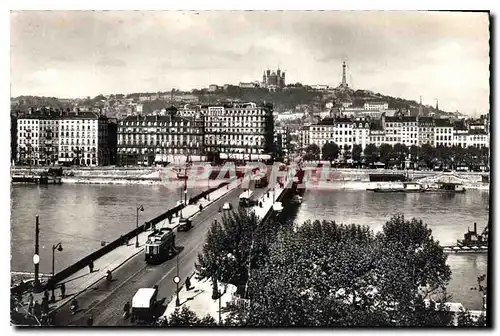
{"points": [[406, 187], [445, 187], [472, 242]]}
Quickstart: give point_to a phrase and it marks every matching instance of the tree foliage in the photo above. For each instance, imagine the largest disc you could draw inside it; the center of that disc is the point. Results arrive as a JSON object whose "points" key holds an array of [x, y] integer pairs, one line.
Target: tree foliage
{"points": [[187, 318], [357, 151], [330, 151], [371, 153], [325, 274]]}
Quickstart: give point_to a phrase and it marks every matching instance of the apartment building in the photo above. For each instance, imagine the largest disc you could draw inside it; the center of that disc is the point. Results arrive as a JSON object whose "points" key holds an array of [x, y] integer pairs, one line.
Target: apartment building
{"points": [[145, 140], [37, 137], [83, 139], [376, 106], [409, 131], [337, 130], [239, 130], [282, 139], [477, 138], [425, 131], [393, 129], [361, 131], [49, 136], [377, 134], [443, 133]]}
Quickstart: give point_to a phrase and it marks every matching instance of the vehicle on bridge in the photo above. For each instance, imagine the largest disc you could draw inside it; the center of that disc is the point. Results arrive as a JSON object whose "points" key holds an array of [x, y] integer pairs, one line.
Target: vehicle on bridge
{"points": [[185, 224], [246, 199], [160, 245], [227, 206], [144, 305]]}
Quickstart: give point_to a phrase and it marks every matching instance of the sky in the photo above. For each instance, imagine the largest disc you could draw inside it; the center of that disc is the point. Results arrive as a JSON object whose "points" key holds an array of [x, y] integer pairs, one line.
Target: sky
{"points": [[436, 55]]}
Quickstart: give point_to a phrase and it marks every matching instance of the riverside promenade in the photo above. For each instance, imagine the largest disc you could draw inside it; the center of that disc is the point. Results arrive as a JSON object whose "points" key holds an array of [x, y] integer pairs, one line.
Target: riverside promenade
{"points": [[82, 280]]}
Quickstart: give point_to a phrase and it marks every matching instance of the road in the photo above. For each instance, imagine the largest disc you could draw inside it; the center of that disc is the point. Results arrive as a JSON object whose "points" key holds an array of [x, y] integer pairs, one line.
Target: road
{"points": [[105, 300]]}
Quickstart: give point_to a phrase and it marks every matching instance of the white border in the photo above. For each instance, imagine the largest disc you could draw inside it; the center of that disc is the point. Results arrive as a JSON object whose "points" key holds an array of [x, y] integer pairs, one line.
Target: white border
{"points": [[186, 5]]}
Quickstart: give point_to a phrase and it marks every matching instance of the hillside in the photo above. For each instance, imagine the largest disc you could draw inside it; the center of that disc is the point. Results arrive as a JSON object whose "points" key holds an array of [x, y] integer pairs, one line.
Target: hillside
{"points": [[295, 96]]}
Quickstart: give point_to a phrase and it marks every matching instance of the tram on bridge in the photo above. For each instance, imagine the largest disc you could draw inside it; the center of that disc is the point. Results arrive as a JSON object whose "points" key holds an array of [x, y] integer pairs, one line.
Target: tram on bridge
{"points": [[160, 246]]}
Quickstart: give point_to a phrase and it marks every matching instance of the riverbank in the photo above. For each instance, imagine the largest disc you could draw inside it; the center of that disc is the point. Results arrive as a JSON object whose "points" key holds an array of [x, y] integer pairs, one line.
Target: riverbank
{"points": [[364, 185], [336, 178]]}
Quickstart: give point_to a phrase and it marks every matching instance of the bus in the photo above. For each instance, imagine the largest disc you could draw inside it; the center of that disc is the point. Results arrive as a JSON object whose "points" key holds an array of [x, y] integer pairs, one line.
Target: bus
{"points": [[159, 246], [246, 198]]}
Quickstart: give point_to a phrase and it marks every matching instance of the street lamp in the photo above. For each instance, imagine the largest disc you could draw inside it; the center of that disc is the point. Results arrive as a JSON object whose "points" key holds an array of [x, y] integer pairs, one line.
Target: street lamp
{"points": [[139, 208], [176, 281], [58, 247]]}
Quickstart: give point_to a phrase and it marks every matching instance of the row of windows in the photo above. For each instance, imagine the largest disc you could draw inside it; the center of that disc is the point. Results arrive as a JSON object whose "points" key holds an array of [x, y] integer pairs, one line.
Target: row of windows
{"points": [[154, 124], [331, 128], [57, 121]]}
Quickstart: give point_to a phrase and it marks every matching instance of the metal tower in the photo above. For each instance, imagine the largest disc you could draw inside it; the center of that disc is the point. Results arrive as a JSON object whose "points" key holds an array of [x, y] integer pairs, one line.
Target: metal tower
{"points": [[344, 81]]}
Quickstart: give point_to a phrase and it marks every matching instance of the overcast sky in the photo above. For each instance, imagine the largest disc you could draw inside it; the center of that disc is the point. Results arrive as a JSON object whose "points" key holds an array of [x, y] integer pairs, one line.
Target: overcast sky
{"points": [[404, 54]]}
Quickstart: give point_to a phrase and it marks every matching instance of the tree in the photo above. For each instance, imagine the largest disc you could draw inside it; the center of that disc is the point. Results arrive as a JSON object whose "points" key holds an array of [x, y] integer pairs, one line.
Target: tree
{"points": [[228, 249], [330, 151], [325, 274], [183, 318], [312, 152], [371, 153], [415, 153], [428, 154], [357, 150], [386, 152], [400, 152]]}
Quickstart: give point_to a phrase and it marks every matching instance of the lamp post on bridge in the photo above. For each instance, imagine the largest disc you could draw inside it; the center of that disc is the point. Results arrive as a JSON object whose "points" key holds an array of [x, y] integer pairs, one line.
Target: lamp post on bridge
{"points": [[58, 247], [139, 208]]}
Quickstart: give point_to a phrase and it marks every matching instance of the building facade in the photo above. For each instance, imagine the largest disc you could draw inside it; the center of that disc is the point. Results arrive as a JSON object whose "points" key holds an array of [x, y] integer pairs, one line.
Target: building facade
{"points": [[235, 131], [409, 131], [83, 139], [361, 131], [376, 106], [282, 139], [443, 133], [145, 140], [274, 79], [337, 130], [46, 137], [425, 131], [393, 127]]}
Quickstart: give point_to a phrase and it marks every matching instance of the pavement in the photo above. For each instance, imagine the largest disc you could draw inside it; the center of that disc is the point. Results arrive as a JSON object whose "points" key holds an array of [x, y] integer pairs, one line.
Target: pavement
{"points": [[105, 300], [83, 279], [199, 299]]}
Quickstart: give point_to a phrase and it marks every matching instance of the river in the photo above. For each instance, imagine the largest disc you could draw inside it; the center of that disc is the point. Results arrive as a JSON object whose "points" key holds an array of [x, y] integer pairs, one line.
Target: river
{"points": [[82, 216]]}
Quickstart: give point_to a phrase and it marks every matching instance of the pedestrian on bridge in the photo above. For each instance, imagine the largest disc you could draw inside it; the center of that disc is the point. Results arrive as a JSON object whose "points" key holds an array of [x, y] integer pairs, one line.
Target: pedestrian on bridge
{"points": [[37, 310], [91, 266], [188, 283], [30, 303], [90, 320], [63, 290]]}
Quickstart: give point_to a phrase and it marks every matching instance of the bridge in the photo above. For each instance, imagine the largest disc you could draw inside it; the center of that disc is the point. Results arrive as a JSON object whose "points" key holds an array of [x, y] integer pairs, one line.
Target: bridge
{"points": [[105, 300]]}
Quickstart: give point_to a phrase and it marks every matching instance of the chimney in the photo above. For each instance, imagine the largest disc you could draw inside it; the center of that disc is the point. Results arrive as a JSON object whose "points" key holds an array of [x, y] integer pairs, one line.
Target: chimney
{"points": [[475, 228]]}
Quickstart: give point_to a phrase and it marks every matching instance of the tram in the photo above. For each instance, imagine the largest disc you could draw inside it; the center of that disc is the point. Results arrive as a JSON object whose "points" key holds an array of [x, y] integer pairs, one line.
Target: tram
{"points": [[160, 246]]}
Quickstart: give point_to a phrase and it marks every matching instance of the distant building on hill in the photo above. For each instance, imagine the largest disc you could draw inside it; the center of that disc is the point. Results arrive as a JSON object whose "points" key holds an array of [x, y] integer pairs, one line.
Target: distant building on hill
{"points": [[273, 79]]}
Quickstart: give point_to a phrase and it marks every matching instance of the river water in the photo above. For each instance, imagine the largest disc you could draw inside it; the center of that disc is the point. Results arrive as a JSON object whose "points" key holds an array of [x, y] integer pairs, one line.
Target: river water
{"points": [[82, 216]]}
